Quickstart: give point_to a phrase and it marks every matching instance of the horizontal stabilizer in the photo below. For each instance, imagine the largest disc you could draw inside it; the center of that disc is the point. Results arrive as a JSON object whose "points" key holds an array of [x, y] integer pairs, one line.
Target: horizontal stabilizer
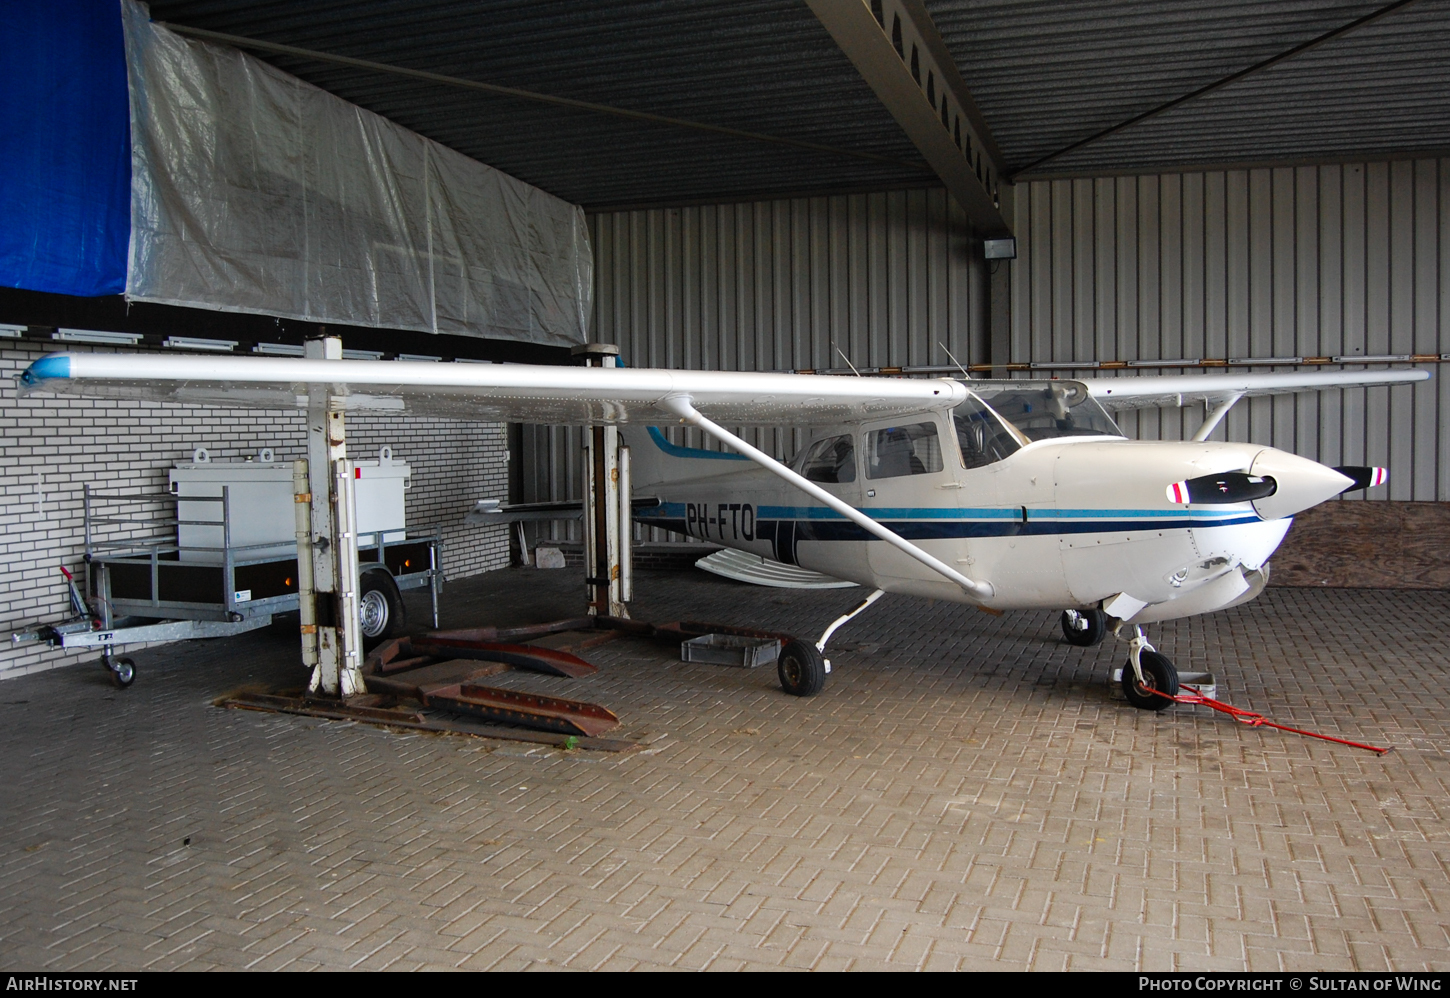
{"points": [[760, 571]]}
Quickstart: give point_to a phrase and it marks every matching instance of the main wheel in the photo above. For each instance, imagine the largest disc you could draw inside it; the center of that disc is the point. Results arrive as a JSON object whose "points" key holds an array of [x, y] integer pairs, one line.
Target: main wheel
{"points": [[801, 668], [1159, 675], [1084, 628], [380, 609], [123, 672]]}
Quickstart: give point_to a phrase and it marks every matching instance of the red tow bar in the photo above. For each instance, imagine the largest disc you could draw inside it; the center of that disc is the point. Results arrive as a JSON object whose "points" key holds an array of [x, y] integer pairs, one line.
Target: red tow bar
{"points": [[1254, 720]]}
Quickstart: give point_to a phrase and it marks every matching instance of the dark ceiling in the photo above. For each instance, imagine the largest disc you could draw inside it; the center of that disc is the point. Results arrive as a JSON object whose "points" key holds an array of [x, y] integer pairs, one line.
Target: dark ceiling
{"points": [[1044, 73], [1048, 72], [759, 65]]}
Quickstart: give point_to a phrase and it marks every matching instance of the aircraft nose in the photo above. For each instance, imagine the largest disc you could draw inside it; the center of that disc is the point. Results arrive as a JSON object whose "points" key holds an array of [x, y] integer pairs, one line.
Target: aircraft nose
{"points": [[1302, 483]]}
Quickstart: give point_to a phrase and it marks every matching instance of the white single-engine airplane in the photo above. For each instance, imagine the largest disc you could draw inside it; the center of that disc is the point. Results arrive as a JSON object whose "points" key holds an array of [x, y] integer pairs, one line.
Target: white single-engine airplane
{"points": [[1002, 494]]}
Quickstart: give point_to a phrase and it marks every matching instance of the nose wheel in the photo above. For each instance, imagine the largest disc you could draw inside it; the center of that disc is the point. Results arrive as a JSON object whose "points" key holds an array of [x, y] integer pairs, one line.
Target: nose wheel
{"points": [[1150, 680]]}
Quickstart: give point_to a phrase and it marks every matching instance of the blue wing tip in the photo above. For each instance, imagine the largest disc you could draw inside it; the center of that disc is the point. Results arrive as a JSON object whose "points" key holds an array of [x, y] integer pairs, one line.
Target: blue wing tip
{"points": [[47, 368]]}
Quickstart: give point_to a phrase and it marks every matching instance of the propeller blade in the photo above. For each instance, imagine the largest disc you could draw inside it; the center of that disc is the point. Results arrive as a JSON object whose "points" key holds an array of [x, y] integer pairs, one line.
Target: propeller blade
{"points": [[1364, 478], [1228, 487]]}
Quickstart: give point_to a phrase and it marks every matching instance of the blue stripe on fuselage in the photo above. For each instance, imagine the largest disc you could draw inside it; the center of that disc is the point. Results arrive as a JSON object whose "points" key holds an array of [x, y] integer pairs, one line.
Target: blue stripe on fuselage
{"points": [[822, 524], [675, 450]]}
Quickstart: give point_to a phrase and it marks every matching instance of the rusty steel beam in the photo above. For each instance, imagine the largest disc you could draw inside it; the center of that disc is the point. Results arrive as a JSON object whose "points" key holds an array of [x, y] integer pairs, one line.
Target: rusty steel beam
{"points": [[545, 660], [529, 710], [907, 65]]}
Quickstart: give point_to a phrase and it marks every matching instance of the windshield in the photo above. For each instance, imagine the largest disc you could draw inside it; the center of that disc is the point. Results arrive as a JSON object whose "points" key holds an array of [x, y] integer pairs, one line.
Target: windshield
{"points": [[981, 435], [1047, 409]]}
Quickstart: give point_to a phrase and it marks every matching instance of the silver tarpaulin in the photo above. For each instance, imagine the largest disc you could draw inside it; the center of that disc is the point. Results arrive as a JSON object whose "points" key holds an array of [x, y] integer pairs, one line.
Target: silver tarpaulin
{"points": [[253, 191]]}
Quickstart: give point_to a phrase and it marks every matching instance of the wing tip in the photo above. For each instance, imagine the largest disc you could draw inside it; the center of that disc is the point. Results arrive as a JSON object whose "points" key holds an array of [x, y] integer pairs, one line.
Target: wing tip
{"points": [[51, 367]]}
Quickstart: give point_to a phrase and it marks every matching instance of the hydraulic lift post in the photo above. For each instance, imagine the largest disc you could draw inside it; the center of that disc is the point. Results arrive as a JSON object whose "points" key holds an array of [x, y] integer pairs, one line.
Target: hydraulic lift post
{"points": [[607, 512], [331, 633]]}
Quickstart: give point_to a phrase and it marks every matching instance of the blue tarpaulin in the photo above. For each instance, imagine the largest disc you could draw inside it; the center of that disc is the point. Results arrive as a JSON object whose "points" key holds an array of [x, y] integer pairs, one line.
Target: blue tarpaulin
{"points": [[65, 171]]}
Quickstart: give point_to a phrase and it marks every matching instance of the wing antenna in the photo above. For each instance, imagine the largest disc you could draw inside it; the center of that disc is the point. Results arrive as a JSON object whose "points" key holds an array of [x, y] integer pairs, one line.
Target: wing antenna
{"points": [[846, 359], [954, 360]]}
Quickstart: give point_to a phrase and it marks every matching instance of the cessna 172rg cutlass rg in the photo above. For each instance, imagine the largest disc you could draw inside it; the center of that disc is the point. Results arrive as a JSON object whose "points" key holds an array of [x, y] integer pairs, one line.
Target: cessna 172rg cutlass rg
{"points": [[1006, 495]]}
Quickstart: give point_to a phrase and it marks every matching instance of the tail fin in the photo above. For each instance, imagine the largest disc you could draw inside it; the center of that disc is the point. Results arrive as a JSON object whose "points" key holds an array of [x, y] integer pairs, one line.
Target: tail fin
{"points": [[653, 460]]}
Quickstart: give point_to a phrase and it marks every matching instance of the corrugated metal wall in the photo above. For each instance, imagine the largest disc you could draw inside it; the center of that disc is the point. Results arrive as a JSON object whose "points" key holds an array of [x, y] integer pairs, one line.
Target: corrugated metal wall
{"points": [[1304, 261], [776, 285]]}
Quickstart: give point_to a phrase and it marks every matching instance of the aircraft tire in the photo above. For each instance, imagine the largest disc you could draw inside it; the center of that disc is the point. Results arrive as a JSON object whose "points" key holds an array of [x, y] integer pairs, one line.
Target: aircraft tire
{"points": [[123, 672], [1084, 628], [801, 668], [1159, 674], [380, 609]]}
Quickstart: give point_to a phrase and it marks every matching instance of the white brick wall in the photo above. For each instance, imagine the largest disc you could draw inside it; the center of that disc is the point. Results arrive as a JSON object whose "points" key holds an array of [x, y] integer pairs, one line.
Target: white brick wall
{"points": [[51, 447]]}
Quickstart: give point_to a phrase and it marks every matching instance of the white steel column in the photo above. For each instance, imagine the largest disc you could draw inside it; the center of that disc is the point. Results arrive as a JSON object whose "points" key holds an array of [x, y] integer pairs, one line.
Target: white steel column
{"points": [[306, 593], [602, 515], [334, 646], [626, 529]]}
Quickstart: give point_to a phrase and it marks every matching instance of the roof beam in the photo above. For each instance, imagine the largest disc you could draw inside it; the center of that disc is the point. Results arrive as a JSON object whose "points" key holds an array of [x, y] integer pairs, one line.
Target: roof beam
{"points": [[908, 66]]}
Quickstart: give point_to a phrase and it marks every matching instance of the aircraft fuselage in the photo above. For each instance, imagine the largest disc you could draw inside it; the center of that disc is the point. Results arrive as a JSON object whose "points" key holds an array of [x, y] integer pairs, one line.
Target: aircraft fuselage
{"points": [[1059, 524]]}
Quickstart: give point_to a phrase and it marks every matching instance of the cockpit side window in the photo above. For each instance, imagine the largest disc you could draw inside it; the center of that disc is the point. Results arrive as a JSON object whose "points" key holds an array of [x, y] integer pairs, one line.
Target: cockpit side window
{"points": [[832, 460], [893, 451], [980, 435]]}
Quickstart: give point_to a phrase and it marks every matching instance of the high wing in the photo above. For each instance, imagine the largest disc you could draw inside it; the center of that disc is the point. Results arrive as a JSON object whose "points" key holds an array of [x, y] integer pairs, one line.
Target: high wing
{"points": [[516, 392], [594, 395], [1176, 390]]}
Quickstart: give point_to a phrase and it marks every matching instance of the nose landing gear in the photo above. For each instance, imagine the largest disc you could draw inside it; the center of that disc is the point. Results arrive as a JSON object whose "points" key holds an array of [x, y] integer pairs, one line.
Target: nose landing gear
{"points": [[1150, 679]]}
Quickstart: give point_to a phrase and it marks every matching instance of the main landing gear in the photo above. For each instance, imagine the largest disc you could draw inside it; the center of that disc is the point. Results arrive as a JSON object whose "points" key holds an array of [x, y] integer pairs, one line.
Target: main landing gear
{"points": [[1084, 628], [802, 667]]}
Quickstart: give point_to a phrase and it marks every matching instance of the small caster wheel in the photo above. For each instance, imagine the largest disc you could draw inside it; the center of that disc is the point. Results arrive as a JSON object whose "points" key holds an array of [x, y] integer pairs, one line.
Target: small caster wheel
{"points": [[1084, 628], [1158, 675], [123, 672], [801, 668]]}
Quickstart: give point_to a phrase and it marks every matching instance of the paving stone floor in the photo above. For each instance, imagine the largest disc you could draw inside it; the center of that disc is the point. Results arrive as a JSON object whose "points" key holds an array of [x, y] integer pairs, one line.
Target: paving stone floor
{"points": [[966, 794]]}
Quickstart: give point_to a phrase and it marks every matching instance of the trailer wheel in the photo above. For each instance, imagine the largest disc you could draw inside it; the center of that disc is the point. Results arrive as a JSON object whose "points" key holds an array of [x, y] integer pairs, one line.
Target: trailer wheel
{"points": [[123, 671], [380, 609]]}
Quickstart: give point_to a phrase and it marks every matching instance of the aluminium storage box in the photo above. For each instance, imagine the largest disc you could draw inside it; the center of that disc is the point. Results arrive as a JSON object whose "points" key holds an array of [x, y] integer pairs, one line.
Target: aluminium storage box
{"points": [[261, 506]]}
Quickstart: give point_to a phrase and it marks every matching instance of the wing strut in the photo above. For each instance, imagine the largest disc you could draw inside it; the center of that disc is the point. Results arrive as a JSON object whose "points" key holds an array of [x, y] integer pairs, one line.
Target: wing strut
{"points": [[1212, 417], [683, 406]]}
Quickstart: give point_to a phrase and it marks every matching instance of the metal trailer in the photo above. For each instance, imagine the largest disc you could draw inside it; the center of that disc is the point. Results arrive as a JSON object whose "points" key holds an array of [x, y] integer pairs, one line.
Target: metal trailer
{"points": [[145, 590]]}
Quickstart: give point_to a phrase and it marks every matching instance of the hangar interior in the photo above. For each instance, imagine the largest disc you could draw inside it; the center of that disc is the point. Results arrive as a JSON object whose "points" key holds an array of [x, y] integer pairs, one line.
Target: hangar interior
{"points": [[808, 186]]}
